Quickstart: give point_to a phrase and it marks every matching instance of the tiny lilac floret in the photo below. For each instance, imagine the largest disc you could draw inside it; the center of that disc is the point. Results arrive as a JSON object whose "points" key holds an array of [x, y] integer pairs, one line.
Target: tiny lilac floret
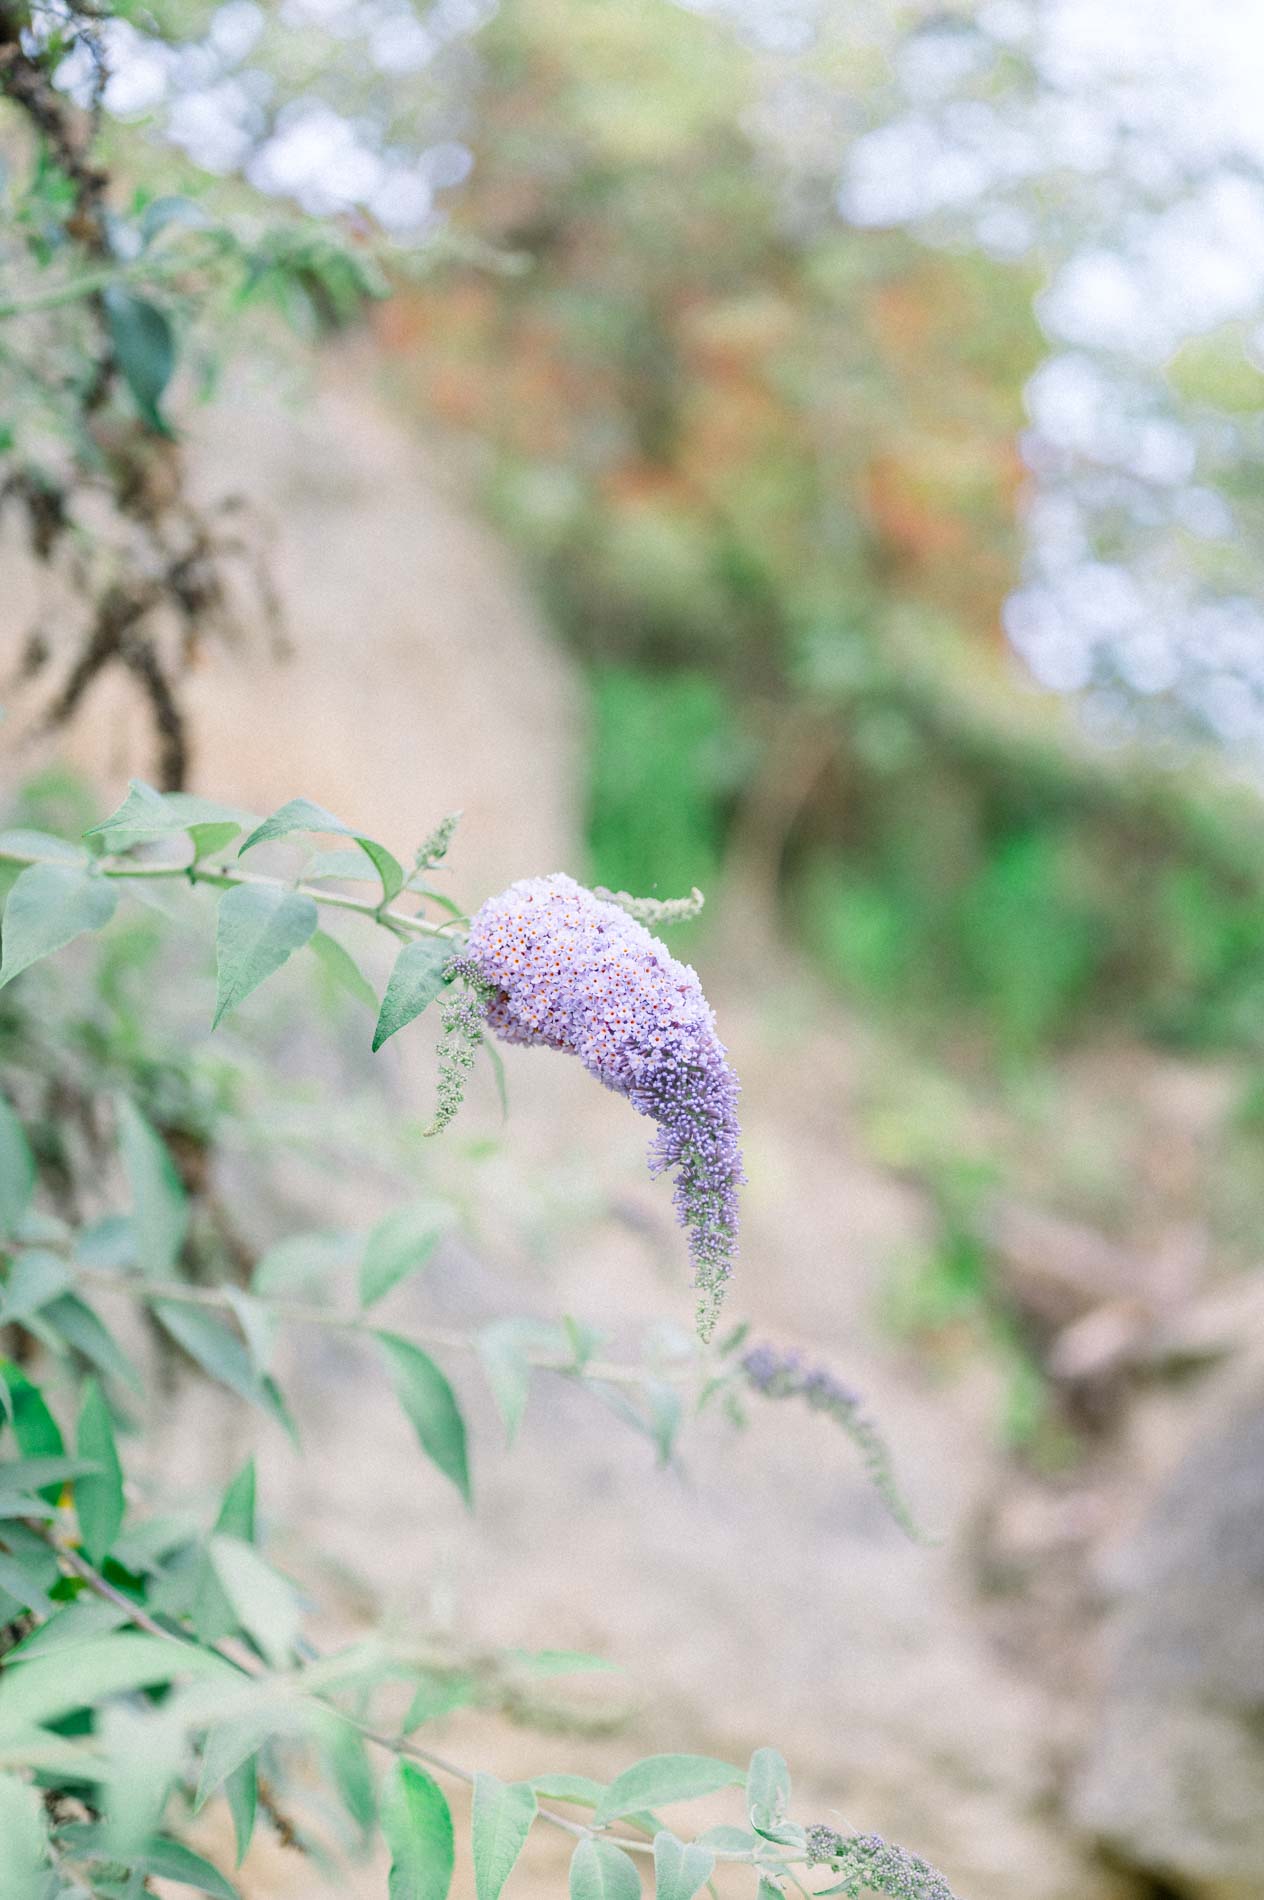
{"points": [[576, 973]]}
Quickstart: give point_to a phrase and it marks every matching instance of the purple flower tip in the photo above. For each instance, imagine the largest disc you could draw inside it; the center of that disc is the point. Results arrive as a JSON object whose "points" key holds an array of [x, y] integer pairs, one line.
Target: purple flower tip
{"points": [[576, 973]]}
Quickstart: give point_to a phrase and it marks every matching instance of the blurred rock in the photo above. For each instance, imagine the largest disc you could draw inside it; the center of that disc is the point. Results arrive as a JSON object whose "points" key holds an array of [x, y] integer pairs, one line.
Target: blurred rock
{"points": [[1174, 1779]]}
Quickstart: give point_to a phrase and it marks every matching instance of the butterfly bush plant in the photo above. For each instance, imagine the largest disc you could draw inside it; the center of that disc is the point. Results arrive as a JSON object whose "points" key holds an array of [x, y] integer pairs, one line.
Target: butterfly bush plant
{"points": [[153, 1665]]}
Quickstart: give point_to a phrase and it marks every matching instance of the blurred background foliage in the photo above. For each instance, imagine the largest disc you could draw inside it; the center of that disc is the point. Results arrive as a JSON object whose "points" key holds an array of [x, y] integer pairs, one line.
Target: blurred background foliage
{"points": [[765, 469]]}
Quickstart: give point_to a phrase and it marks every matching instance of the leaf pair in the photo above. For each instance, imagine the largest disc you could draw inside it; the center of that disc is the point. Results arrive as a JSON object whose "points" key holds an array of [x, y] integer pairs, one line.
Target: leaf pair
{"points": [[417, 1824]]}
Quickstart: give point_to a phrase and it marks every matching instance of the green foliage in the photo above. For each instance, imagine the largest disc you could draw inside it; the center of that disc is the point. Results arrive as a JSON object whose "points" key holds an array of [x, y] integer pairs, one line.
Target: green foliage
{"points": [[665, 756]]}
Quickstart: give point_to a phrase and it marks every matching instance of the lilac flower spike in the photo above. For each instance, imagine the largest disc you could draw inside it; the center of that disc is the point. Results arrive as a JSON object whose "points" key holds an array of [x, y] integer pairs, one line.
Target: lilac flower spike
{"points": [[577, 973]]}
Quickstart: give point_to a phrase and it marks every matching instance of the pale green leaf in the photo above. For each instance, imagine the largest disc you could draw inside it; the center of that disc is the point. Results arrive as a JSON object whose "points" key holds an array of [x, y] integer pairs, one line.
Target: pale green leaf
{"points": [[662, 1778], [767, 1791], [17, 1170], [502, 1817], [300, 814], [241, 1791], [144, 347], [172, 1860], [341, 968], [35, 1278], [259, 927], [502, 1350], [417, 1827], [431, 1408], [44, 1688], [41, 847], [49, 906], [346, 1758], [580, 1789], [680, 1870], [99, 1495], [221, 1354], [602, 1871], [80, 1326], [259, 1327], [25, 1839], [437, 1695], [300, 1266], [160, 1215], [400, 1244], [265, 1605], [729, 1840], [27, 1592], [560, 1662], [415, 981]]}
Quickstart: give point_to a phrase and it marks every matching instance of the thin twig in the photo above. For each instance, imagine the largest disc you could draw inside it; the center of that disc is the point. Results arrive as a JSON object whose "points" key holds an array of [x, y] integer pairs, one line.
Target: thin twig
{"points": [[222, 876]]}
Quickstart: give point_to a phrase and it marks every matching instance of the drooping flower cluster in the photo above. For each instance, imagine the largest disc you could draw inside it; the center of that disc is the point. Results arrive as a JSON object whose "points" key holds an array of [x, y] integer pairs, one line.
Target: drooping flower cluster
{"points": [[577, 973], [785, 1373], [869, 1864], [462, 1011]]}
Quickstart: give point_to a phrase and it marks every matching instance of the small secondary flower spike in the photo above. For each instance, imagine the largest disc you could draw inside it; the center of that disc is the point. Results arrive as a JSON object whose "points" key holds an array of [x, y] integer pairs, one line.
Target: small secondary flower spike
{"points": [[575, 972]]}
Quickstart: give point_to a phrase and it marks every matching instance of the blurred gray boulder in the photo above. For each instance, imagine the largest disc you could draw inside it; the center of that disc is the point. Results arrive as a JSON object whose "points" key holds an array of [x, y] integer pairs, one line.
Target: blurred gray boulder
{"points": [[1174, 1776]]}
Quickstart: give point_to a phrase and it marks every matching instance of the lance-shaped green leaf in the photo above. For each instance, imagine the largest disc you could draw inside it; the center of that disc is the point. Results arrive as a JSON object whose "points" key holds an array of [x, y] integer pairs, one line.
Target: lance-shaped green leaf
{"points": [[169, 1859], [680, 1870], [417, 1827], [76, 1323], [431, 1408], [160, 1215], [437, 1695], [40, 847], [345, 1755], [263, 1602], [17, 1170], [503, 1349], [221, 1354], [415, 981], [602, 1871], [662, 1778], [25, 1837], [36, 1430], [259, 928], [502, 1817], [144, 346], [400, 1244], [259, 1324], [31, 1568], [49, 906], [300, 814], [159, 1856], [35, 1278], [241, 1792], [50, 1686], [272, 1710], [146, 813], [341, 968], [768, 1792], [581, 1789], [99, 1494]]}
